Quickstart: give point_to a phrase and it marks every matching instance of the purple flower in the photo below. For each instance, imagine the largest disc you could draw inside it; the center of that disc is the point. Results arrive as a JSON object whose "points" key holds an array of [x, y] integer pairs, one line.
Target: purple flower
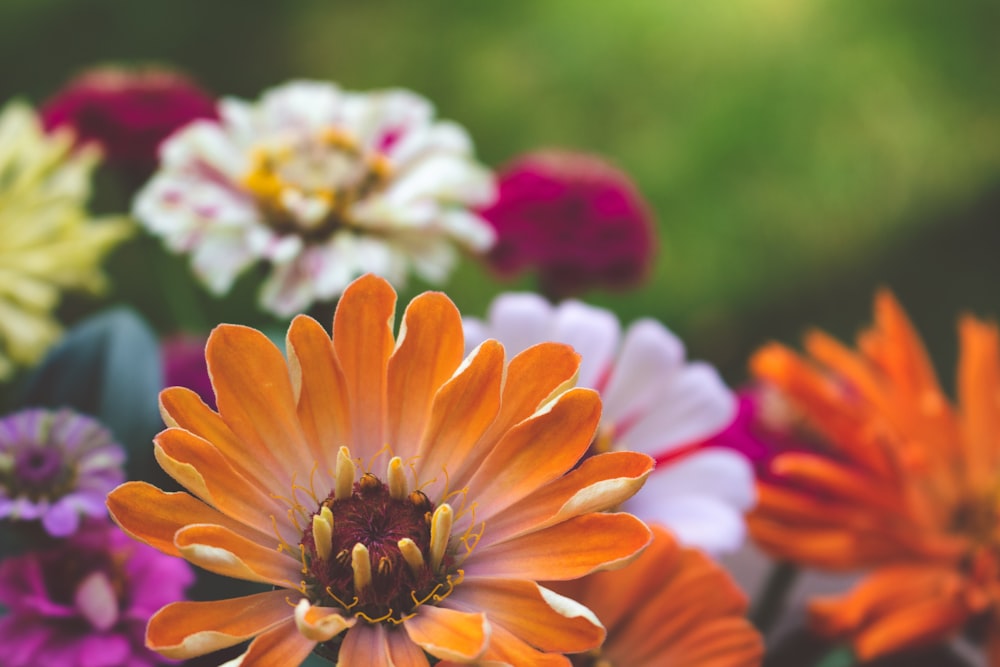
{"points": [[574, 218], [184, 366], [56, 467], [85, 601]]}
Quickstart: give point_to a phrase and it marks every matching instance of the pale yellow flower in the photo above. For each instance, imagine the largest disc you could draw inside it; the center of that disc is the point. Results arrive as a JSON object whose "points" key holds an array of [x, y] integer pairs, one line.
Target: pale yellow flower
{"points": [[48, 241]]}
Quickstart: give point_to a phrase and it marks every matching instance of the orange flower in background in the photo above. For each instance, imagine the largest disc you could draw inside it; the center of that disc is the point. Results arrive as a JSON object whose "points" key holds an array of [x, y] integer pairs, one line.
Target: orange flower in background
{"points": [[401, 501], [902, 480], [673, 606]]}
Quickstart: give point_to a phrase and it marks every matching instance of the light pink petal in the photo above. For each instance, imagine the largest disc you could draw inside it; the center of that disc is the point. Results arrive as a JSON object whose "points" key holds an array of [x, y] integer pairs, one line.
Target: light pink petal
{"points": [[593, 332], [716, 472], [699, 521], [650, 355], [519, 320]]}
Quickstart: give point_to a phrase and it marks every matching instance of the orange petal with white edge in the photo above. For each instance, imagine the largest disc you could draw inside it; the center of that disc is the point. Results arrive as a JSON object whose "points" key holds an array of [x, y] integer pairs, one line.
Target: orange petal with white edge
{"points": [[201, 469], [449, 634], [182, 408], [534, 376], [222, 551], [537, 615], [153, 516], [188, 629], [362, 339], [536, 451], [254, 394], [321, 391], [462, 411], [600, 483], [567, 550], [429, 349], [320, 624], [281, 645]]}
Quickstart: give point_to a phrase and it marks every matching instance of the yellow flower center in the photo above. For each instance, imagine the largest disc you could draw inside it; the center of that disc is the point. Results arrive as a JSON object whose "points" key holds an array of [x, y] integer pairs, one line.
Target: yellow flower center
{"points": [[307, 185]]}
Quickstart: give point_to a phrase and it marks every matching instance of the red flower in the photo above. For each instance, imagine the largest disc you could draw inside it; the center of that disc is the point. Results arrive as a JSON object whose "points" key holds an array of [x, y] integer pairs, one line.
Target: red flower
{"points": [[575, 218], [128, 112]]}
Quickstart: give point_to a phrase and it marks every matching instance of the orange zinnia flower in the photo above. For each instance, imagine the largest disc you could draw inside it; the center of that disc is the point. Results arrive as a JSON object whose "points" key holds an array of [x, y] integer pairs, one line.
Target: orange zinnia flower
{"points": [[672, 606], [398, 499], [902, 481]]}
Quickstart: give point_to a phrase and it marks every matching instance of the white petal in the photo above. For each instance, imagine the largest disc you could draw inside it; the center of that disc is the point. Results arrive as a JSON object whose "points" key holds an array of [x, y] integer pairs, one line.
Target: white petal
{"points": [[593, 332], [690, 405], [520, 320], [698, 521], [716, 472], [650, 354]]}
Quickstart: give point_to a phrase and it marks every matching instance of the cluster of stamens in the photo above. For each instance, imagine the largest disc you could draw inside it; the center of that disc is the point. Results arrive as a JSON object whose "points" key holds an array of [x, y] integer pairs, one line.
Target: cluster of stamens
{"points": [[377, 549], [308, 187]]}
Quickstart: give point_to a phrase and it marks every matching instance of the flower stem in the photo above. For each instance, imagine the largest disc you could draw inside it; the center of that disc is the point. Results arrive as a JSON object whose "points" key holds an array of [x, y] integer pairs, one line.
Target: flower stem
{"points": [[772, 599]]}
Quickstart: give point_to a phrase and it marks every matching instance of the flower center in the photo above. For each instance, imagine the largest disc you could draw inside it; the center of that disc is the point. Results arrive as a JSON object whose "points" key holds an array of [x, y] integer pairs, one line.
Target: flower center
{"points": [[590, 659], [35, 471], [307, 185], [376, 549]]}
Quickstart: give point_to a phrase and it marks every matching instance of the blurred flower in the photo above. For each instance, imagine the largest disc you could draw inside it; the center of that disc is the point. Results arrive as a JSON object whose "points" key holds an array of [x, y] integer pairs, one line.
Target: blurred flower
{"points": [[765, 425], [903, 482], [84, 602], [184, 366], [56, 467], [654, 402], [464, 467], [574, 218], [322, 184], [127, 112], [672, 606], [47, 242]]}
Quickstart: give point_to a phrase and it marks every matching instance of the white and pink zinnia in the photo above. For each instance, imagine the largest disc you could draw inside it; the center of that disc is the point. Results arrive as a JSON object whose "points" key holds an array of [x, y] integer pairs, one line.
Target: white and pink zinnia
{"points": [[655, 401], [322, 185]]}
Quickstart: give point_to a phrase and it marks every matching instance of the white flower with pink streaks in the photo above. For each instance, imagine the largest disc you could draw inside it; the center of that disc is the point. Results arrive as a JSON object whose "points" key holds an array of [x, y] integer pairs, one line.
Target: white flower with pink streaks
{"points": [[655, 401], [322, 185]]}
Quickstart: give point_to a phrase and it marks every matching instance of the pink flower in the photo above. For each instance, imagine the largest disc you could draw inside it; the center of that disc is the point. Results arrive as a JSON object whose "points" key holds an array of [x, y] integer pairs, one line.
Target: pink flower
{"points": [[574, 218], [128, 112], [85, 601]]}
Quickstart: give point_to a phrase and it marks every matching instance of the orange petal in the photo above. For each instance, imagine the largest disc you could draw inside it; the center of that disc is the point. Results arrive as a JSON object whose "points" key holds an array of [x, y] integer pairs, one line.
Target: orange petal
{"points": [[722, 642], [320, 624], [364, 646], [152, 516], [979, 398], [429, 349], [536, 451], [281, 645], [181, 407], [567, 550], [920, 625], [449, 634], [188, 629], [506, 649], [255, 398], [534, 376], [200, 468], [322, 402], [224, 552], [462, 411], [544, 619], [600, 483], [362, 338], [403, 652]]}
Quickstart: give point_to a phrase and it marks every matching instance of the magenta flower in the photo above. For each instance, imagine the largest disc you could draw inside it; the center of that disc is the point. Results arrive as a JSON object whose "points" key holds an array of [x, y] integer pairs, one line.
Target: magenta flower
{"points": [[56, 467], [575, 219], [128, 112], [85, 601], [184, 365]]}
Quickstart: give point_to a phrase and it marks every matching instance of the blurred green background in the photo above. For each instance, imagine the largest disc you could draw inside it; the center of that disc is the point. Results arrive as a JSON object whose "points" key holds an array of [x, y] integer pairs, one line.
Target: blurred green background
{"points": [[798, 153]]}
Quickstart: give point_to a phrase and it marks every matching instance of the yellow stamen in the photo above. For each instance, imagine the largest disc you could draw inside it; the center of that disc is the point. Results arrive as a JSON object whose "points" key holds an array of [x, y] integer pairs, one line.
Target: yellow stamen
{"points": [[344, 484], [323, 532], [397, 478], [411, 554], [361, 562], [441, 524]]}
